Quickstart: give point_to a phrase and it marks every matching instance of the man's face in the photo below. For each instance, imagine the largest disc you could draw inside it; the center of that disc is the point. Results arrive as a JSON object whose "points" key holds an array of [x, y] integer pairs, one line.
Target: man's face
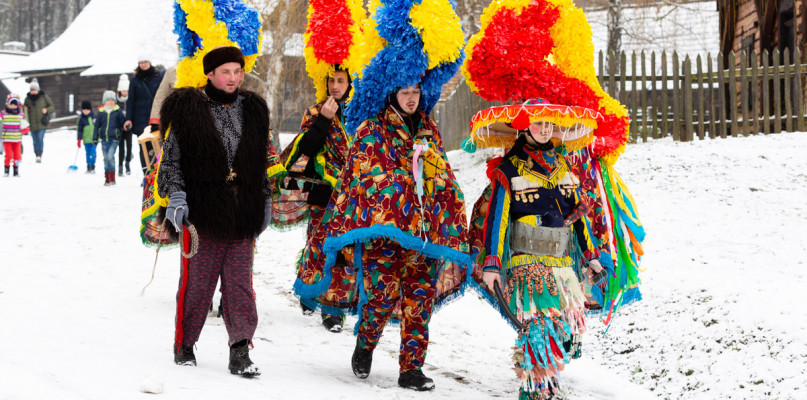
{"points": [[409, 99], [338, 84], [227, 77], [144, 65]]}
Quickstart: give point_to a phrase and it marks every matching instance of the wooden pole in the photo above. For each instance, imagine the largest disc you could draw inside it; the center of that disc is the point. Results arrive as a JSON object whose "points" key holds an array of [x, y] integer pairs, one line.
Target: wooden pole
{"points": [[766, 98]]}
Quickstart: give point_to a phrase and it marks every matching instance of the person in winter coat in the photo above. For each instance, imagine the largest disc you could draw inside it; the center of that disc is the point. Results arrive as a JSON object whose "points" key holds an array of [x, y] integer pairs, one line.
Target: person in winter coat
{"points": [[12, 121], [216, 171], [166, 88], [142, 88], [108, 126], [125, 143], [38, 108], [84, 134]]}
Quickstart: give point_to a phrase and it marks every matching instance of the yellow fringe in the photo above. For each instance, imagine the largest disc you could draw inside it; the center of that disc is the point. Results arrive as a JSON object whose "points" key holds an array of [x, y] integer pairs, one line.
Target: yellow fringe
{"points": [[530, 259]]}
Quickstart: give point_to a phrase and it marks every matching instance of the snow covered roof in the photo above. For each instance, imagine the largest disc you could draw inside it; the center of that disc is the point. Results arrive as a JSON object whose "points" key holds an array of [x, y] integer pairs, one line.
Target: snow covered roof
{"points": [[688, 28], [107, 37]]}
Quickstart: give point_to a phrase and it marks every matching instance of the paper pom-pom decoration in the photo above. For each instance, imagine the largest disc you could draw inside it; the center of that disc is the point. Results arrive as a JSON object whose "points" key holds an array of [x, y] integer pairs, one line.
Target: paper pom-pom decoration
{"points": [[543, 48], [333, 33], [203, 25], [422, 44]]}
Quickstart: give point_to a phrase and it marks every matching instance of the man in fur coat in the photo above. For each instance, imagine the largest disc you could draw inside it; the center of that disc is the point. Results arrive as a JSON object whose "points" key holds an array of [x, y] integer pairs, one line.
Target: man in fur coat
{"points": [[216, 168]]}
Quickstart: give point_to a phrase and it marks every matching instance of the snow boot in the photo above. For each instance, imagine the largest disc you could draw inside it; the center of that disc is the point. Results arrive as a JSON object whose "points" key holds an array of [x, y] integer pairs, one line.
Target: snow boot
{"points": [[89, 169], [306, 309], [39, 158], [183, 355], [92, 169], [17, 171], [111, 178], [240, 364], [120, 170], [128, 170], [106, 178], [5, 171], [362, 361], [415, 380], [333, 323]]}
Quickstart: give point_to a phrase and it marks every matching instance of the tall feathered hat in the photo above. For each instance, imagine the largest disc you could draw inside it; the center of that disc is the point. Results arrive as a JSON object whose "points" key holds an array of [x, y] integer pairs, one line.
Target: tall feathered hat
{"points": [[541, 49], [333, 33], [203, 25], [407, 42]]}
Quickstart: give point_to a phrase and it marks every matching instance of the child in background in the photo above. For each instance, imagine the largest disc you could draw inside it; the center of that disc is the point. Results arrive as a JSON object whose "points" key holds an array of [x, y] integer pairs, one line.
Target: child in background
{"points": [[11, 125], [108, 127], [86, 126]]}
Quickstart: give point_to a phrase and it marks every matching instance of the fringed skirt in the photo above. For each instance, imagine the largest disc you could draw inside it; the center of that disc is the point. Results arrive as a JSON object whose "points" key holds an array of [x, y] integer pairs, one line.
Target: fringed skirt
{"points": [[546, 295]]}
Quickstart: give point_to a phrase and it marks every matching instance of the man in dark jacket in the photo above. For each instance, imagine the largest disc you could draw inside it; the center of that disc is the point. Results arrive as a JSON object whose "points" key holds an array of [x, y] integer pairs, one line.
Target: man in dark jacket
{"points": [[216, 168], [38, 108], [142, 88]]}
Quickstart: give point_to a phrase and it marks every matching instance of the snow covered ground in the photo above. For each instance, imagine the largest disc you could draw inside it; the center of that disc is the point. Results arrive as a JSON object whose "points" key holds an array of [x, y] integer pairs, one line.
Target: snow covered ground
{"points": [[722, 317]]}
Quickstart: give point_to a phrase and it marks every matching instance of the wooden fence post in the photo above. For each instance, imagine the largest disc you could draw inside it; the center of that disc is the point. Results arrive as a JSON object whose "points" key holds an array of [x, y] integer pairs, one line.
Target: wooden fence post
{"points": [[733, 93], [787, 80], [612, 65], [643, 101], [711, 96], [634, 98], [701, 108], [766, 98], [777, 99], [754, 92], [687, 109], [601, 70], [676, 102], [744, 98], [799, 106], [663, 92], [722, 95], [654, 101]]}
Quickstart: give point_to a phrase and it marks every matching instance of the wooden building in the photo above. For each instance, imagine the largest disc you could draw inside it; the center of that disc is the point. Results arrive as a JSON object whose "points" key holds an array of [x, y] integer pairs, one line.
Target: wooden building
{"points": [[758, 25]]}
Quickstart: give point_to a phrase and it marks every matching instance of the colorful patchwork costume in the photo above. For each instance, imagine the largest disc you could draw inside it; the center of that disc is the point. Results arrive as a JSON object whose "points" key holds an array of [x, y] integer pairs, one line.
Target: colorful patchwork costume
{"points": [[317, 155], [397, 204], [553, 213]]}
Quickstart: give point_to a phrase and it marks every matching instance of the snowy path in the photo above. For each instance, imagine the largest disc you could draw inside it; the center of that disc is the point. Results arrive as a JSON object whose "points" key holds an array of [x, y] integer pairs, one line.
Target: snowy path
{"points": [[73, 325]]}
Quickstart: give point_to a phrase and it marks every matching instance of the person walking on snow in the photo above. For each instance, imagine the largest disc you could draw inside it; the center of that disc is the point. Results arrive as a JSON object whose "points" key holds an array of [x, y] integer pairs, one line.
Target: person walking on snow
{"points": [[38, 108], [108, 127], [12, 121], [217, 171], [142, 88], [125, 142], [84, 133]]}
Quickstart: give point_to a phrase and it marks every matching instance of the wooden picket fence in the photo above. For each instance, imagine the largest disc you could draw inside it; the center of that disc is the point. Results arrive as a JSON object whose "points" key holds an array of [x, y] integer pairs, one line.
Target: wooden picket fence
{"points": [[685, 102]]}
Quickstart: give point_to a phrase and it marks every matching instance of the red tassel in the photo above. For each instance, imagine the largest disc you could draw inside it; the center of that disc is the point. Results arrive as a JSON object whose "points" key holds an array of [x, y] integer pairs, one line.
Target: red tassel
{"points": [[493, 163], [186, 244]]}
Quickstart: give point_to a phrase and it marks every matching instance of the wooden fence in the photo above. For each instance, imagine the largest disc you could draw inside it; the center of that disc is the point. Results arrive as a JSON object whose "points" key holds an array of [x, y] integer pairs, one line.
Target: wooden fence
{"points": [[679, 98]]}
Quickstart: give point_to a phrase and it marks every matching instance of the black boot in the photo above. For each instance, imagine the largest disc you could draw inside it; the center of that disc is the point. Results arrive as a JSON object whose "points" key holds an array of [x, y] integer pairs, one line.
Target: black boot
{"points": [[128, 170], [240, 364], [92, 169], [183, 355], [16, 171], [120, 170], [306, 309], [415, 380], [5, 171], [332, 323], [361, 361]]}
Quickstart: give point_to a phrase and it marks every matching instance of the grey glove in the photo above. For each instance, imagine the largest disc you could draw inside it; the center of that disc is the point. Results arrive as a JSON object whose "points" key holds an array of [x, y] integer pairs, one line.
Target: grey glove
{"points": [[176, 210], [267, 214]]}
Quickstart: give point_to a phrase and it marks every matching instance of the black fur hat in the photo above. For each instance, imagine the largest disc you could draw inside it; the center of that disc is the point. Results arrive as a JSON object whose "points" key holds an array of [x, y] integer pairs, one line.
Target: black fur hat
{"points": [[222, 55]]}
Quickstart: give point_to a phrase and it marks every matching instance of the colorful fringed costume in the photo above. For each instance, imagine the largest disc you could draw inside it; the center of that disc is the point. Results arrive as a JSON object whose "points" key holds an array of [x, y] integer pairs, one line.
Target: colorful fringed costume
{"points": [[554, 63], [317, 155], [397, 204]]}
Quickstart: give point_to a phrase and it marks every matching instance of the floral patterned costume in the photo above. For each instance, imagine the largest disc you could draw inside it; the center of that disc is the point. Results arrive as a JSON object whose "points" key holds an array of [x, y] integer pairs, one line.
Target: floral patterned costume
{"points": [[409, 250]]}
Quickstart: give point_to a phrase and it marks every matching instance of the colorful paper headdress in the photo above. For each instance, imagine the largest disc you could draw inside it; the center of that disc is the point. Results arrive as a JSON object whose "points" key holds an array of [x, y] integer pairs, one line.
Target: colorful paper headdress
{"points": [[543, 49], [203, 25], [417, 41], [333, 33]]}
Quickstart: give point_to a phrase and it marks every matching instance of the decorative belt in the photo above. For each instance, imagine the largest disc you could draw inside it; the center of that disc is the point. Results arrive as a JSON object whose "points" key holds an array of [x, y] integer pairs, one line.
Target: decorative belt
{"points": [[539, 240]]}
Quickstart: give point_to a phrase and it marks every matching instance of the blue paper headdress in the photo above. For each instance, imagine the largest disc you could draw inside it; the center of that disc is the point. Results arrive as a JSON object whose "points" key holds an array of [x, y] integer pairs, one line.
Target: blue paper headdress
{"points": [[423, 44], [203, 25]]}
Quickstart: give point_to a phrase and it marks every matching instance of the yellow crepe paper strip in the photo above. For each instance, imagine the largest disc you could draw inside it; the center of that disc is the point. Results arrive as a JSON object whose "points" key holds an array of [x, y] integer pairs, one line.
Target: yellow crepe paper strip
{"points": [[441, 30], [367, 42], [201, 19]]}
